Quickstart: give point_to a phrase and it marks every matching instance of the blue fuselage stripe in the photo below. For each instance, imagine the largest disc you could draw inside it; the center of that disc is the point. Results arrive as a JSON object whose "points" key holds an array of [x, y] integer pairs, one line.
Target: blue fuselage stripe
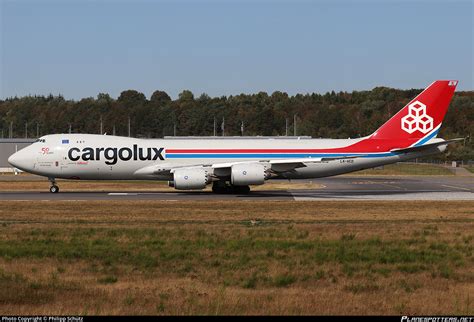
{"points": [[426, 139], [287, 155]]}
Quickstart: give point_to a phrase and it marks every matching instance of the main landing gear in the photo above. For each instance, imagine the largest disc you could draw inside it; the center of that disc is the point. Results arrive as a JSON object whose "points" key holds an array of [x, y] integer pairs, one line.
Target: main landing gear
{"points": [[54, 188], [223, 187]]}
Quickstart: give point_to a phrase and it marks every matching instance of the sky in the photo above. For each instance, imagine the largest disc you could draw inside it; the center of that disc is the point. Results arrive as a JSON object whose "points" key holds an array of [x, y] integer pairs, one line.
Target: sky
{"points": [[81, 48]]}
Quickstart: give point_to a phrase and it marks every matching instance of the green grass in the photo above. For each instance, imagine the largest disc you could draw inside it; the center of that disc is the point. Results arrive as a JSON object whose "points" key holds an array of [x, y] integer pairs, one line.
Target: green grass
{"points": [[238, 257], [470, 169], [108, 280], [407, 169], [150, 258], [284, 280]]}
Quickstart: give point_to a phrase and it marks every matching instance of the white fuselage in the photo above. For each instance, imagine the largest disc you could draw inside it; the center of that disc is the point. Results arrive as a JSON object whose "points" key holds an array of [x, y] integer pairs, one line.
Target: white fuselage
{"points": [[103, 157]]}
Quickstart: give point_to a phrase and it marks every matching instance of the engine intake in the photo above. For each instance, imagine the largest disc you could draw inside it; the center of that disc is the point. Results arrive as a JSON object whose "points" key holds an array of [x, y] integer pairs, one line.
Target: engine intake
{"points": [[189, 179], [248, 174]]}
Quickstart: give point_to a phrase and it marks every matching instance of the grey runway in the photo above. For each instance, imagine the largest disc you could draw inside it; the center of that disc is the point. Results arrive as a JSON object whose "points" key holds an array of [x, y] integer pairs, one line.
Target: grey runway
{"points": [[333, 188]]}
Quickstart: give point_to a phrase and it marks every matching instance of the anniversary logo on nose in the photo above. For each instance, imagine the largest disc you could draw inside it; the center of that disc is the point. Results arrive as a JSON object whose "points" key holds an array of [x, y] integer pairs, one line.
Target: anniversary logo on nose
{"points": [[112, 155]]}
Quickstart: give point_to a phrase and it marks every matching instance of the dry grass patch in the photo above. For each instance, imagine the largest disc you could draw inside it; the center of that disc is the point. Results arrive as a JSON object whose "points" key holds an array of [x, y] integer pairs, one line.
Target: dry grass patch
{"points": [[227, 257]]}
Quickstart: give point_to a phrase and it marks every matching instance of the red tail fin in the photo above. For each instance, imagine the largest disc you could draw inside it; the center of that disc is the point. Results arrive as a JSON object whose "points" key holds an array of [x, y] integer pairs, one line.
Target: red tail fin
{"points": [[422, 116]]}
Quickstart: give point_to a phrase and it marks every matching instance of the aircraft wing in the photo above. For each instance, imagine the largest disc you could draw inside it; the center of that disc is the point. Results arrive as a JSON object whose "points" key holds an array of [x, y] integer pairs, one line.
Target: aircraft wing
{"points": [[279, 165], [283, 165], [291, 164], [163, 169], [426, 146]]}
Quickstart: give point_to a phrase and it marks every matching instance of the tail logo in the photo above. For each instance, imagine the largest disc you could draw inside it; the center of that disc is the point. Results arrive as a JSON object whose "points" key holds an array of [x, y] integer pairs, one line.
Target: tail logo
{"points": [[417, 119]]}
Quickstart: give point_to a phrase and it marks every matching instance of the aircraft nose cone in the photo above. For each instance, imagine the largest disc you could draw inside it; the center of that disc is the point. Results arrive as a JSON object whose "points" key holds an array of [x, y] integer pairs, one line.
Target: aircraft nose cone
{"points": [[13, 159], [20, 160]]}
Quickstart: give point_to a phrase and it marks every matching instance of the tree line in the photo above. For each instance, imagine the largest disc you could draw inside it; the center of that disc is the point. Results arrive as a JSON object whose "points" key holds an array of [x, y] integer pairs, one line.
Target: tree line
{"points": [[329, 115]]}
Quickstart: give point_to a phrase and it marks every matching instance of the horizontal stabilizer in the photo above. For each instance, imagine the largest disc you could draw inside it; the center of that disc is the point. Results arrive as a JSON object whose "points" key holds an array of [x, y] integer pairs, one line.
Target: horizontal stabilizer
{"points": [[426, 146]]}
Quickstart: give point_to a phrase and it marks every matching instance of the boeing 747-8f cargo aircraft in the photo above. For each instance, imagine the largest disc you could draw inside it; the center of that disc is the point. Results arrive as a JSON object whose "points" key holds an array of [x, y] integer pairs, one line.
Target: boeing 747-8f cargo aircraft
{"points": [[233, 164]]}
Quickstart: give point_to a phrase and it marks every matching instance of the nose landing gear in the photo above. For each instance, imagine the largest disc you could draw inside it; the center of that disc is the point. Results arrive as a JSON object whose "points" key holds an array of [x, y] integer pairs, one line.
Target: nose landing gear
{"points": [[54, 188]]}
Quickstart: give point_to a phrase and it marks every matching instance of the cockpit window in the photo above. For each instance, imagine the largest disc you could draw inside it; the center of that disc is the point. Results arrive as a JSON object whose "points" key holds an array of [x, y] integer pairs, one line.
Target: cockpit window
{"points": [[40, 140]]}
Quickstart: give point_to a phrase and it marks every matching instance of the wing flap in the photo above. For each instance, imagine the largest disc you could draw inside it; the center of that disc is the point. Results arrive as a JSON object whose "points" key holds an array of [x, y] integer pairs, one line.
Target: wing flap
{"points": [[291, 164], [283, 165], [278, 165]]}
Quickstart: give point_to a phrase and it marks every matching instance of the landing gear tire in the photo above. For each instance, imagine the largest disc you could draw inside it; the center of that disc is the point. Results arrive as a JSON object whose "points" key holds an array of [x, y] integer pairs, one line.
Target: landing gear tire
{"points": [[241, 189], [54, 188], [220, 187]]}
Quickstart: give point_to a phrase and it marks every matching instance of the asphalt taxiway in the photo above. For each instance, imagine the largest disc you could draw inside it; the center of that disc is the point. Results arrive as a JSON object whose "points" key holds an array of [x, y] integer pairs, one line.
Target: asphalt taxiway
{"points": [[333, 188]]}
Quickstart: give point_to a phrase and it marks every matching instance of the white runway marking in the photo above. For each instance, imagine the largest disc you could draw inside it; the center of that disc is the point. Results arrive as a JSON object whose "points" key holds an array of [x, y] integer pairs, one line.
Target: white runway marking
{"points": [[122, 194], [462, 188]]}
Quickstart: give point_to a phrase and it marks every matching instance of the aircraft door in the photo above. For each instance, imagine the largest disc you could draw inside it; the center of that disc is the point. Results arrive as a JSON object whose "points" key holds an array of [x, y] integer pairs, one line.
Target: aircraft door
{"points": [[45, 159]]}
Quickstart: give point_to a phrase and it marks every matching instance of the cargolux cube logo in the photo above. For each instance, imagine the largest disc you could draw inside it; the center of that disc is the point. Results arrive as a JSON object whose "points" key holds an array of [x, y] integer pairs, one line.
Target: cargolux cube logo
{"points": [[417, 119]]}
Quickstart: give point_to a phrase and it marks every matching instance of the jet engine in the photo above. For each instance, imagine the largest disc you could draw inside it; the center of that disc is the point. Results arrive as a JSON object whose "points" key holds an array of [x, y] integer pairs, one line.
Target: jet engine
{"points": [[247, 174], [189, 178]]}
